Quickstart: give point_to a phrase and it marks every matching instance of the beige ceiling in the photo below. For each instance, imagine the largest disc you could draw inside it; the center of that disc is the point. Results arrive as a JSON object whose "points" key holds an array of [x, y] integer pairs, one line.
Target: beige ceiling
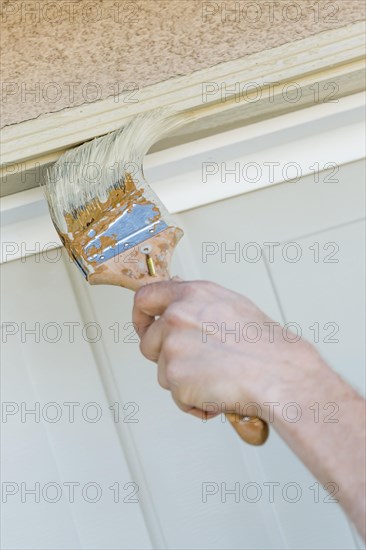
{"points": [[69, 52]]}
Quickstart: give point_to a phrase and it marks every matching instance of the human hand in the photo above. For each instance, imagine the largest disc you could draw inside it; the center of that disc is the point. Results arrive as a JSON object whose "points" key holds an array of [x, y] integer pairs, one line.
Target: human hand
{"points": [[208, 370], [277, 368]]}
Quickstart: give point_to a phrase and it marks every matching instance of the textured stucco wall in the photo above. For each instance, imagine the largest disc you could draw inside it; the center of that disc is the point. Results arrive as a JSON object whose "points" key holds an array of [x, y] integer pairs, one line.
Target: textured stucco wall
{"points": [[65, 53]]}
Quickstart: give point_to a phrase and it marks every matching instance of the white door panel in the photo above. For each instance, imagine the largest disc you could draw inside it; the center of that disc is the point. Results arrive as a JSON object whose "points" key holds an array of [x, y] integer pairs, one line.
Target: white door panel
{"points": [[172, 457], [326, 297], [82, 443]]}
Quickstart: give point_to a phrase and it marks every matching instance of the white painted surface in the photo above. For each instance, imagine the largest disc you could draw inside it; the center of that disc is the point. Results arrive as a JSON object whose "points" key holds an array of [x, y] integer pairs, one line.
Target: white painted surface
{"points": [[215, 168], [169, 454]]}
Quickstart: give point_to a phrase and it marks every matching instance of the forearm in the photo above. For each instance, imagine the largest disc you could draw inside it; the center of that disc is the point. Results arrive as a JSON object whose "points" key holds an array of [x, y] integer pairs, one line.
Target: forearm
{"points": [[271, 371], [332, 448]]}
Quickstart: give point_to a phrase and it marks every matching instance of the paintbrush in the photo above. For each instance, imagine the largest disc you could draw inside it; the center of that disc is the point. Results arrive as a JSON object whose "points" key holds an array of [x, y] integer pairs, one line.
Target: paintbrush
{"points": [[112, 224]]}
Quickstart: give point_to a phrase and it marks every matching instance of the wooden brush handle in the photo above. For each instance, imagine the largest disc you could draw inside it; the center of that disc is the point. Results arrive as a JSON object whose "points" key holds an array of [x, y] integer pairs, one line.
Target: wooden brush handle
{"points": [[130, 270], [252, 430]]}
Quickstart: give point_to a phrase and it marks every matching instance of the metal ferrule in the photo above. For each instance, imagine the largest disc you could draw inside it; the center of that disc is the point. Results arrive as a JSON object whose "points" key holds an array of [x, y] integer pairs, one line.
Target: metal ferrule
{"points": [[126, 231]]}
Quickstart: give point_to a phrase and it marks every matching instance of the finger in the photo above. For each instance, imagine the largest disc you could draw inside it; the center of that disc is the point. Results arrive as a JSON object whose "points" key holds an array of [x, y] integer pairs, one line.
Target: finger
{"points": [[202, 415], [152, 300], [191, 409], [162, 379], [152, 340], [183, 406]]}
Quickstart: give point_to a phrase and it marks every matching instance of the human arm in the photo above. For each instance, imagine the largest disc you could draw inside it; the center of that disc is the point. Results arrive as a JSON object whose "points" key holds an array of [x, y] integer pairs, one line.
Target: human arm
{"points": [[177, 322]]}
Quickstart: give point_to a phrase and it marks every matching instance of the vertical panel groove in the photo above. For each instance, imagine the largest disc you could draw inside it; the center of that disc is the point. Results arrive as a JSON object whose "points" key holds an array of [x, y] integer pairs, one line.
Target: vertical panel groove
{"points": [[125, 436]]}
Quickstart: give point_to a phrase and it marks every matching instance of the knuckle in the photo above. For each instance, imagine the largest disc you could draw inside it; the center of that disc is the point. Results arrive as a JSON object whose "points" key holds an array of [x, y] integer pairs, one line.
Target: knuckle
{"points": [[145, 350], [140, 297], [182, 394], [148, 350], [171, 346], [200, 289], [173, 315], [162, 381], [172, 373]]}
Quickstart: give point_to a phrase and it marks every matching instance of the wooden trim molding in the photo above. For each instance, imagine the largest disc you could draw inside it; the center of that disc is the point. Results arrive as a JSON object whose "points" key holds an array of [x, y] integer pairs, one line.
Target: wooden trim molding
{"points": [[317, 69], [284, 148]]}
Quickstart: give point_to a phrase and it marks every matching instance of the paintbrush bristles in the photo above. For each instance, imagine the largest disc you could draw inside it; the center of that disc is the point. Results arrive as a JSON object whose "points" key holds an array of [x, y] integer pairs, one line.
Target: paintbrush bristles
{"points": [[89, 172]]}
